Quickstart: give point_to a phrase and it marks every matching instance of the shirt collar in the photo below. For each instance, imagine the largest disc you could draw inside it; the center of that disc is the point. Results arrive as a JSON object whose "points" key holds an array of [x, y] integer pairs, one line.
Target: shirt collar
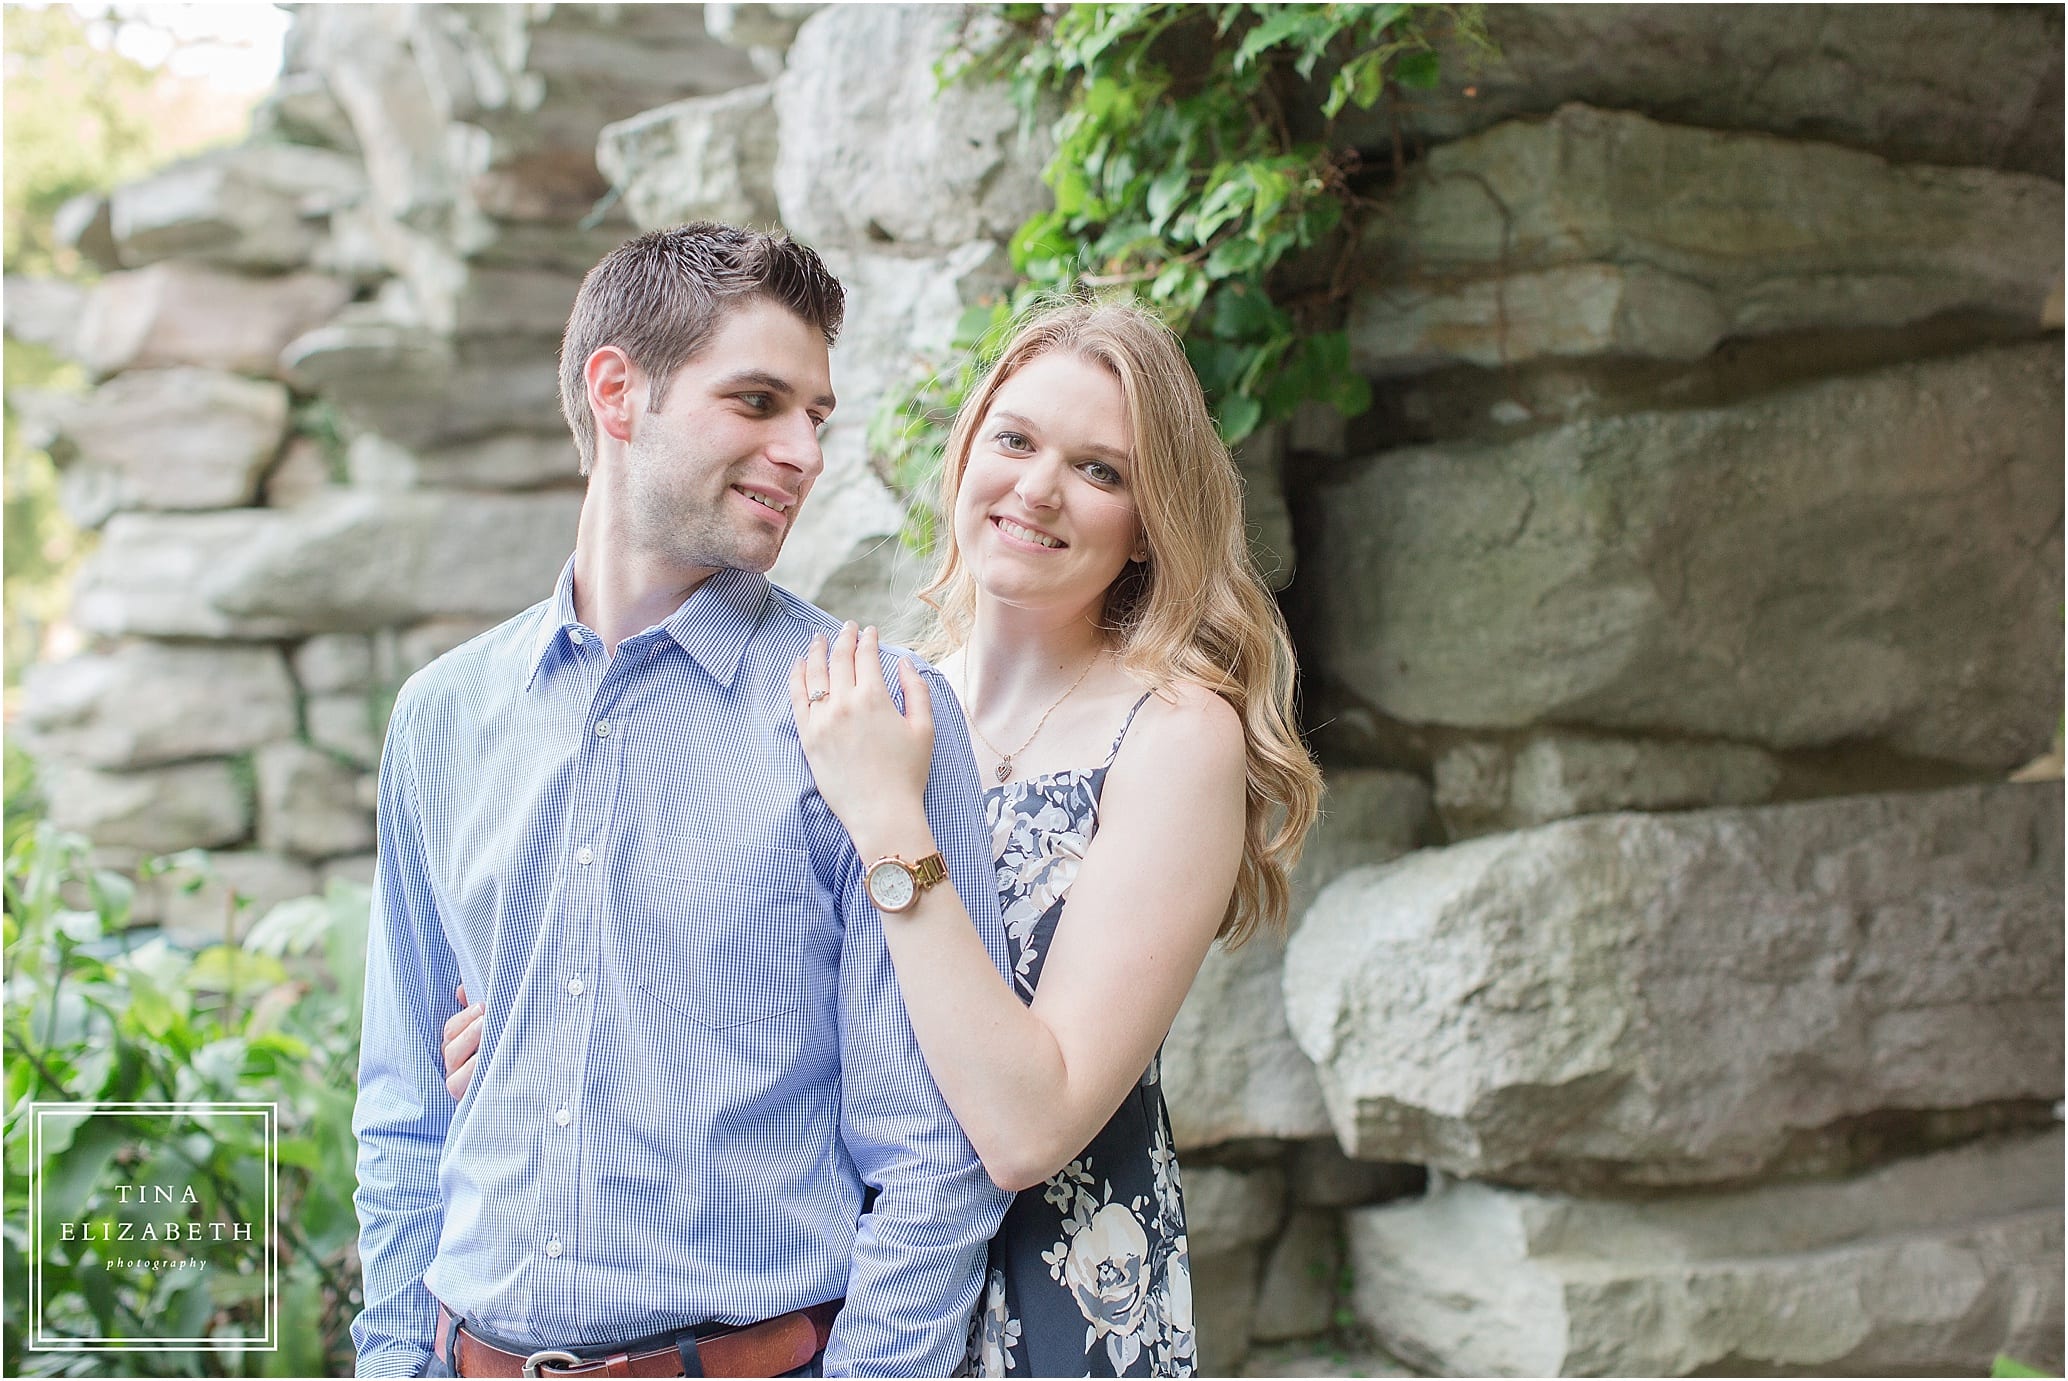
{"points": [[713, 625]]}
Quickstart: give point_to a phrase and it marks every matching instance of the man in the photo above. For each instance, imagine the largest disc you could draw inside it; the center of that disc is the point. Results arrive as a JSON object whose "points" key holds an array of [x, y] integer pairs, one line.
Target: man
{"points": [[695, 1068]]}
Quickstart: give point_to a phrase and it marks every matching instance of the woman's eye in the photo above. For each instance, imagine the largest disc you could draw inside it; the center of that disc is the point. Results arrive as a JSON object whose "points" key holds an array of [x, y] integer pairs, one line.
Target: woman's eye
{"points": [[1013, 441], [1101, 473]]}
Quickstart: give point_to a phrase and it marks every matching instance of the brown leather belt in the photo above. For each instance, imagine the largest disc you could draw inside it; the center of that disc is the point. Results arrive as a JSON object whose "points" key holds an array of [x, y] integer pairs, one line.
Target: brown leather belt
{"points": [[769, 1348]]}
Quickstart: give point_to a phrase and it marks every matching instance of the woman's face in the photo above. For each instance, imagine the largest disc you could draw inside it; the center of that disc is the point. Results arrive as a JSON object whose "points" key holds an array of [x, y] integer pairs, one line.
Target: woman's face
{"points": [[1045, 517]]}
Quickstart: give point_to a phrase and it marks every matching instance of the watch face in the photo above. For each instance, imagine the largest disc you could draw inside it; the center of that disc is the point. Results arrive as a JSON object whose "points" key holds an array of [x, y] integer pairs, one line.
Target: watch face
{"points": [[890, 885]]}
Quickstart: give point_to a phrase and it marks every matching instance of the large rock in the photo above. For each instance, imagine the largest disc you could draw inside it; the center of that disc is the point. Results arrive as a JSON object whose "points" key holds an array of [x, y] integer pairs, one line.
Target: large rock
{"points": [[171, 439], [1297, 1296], [149, 573], [1260, 462], [514, 461], [188, 314], [308, 804], [255, 206], [1960, 84], [873, 151], [149, 703], [710, 158], [1931, 1266], [764, 31], [1866, 558], [1487, 784], [1224, 1304], [1323, 1177], [1231, 1069], [361, 561], [348, 726], [1605, 233], [1681, 999], [391, 375], [1226, 1209], [196, 805], [45, 312], [549, 79], [334, 662]]}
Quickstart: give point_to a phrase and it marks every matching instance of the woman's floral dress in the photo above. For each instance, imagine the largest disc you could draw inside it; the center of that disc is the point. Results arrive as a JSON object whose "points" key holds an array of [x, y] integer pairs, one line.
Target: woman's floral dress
{"points": [[1088, 1273]]}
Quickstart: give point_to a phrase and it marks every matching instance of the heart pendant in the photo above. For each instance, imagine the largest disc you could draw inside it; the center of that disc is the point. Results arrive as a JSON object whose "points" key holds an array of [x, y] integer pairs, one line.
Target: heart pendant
{"points": [[1004, 768]]}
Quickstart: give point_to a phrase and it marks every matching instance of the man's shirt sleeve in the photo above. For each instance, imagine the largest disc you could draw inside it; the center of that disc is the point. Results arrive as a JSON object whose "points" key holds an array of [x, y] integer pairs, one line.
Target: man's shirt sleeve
{"points": [[403, 1110], [919, 1252]]}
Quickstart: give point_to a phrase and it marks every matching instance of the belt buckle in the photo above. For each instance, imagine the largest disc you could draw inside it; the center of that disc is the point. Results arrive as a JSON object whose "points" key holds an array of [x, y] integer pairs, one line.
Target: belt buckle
{"points": [[549, 1357]]}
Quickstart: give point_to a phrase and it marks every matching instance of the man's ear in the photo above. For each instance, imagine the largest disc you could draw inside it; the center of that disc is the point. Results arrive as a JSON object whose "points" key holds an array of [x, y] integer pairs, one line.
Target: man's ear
{"points": [[616, 388]]}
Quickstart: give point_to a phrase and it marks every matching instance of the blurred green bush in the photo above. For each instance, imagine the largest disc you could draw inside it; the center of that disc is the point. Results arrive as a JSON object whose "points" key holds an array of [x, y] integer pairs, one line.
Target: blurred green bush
{"points": [[91, 1015]]}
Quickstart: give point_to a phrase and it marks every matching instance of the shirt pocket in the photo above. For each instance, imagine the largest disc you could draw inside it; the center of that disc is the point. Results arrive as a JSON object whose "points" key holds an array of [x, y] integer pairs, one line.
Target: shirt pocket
{"points": [[726, 948]]}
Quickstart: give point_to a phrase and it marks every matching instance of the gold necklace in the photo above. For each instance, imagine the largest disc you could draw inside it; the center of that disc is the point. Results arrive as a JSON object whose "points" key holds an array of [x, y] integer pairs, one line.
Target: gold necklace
{"points": [[1005, 759]]}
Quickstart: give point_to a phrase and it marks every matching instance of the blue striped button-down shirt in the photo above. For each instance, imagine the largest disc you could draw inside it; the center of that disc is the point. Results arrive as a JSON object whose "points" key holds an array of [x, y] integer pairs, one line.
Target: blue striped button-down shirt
{"points": [[695, 1057]]}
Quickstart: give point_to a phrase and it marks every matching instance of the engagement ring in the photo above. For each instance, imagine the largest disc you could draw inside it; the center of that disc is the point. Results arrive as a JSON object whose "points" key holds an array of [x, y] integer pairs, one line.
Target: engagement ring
{"points": [[816, 696]]}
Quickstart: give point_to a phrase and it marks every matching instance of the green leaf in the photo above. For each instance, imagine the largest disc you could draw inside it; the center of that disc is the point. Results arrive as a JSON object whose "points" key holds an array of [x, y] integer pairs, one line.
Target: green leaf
{"points": [[1359, 82], [77, 1150], [1166, 193], [1286, 22], [1222, 203], [1351, 396], [1418, 71], [1232, 257], [1242, 312], [1240, 414], [220, 968], [2010, 1366]]}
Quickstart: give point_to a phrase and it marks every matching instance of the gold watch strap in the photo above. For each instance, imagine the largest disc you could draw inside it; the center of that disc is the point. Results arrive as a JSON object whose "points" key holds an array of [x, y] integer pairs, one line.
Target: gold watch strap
{"points": [[929, 870]]}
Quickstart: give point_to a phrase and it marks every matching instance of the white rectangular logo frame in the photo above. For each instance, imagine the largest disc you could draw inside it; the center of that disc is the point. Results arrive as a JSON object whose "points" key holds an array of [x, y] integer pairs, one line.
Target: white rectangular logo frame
{"points": [[269, 1115]]}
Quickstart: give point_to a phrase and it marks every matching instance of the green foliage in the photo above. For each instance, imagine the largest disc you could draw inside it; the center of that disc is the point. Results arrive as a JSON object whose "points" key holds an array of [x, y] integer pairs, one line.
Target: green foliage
{"points": [[2009, 1366], [273, 1020], [1193, 166], [41, 548], [84, 118]]}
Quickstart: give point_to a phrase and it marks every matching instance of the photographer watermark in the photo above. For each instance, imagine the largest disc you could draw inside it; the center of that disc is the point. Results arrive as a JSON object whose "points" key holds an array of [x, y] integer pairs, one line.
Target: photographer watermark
{"points": [[150, 1221]]}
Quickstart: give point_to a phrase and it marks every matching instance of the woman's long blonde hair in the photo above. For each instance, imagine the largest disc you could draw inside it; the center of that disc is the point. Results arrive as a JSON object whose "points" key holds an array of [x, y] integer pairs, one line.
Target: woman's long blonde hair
{"points": [[1197, 610]]}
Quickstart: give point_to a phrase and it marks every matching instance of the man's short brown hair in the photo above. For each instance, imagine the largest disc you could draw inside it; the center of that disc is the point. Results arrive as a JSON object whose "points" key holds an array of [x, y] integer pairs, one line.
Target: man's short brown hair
{"points": [[660, 297]]}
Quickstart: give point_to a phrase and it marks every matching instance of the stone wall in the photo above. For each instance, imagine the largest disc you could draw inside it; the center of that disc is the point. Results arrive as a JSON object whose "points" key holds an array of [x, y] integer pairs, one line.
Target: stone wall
{"points": [[1676, 979]]}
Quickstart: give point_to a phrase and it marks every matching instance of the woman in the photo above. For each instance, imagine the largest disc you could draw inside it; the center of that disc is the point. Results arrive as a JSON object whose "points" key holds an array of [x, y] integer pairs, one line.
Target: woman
{"points": [[1128, 684]]}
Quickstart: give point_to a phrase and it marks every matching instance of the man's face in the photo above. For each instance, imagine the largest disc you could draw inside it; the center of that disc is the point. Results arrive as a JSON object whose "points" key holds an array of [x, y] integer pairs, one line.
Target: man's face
{"points": [[715, 477]]}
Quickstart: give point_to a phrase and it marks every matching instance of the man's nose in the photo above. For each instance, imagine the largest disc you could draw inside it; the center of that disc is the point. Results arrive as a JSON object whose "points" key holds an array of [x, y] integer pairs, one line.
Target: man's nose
{"points": [[796, 446]]}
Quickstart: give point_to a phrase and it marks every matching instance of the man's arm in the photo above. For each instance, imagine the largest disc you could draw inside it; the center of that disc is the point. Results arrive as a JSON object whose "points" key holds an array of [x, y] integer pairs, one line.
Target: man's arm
{"points": [[403, 1108], [919, 1252]]}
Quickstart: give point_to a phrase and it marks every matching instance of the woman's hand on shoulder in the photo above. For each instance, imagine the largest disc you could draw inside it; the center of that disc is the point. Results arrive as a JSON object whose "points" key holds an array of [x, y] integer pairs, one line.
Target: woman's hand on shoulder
{"points": [[870, 761]]}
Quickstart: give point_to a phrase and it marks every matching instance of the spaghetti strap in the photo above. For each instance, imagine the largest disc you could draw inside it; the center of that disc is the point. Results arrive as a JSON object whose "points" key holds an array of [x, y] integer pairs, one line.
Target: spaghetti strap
{"points": [[1114, 751]]}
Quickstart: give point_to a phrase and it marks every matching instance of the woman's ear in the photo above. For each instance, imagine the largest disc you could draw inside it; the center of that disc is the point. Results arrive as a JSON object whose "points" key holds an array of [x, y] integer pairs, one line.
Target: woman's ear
{"points": [[612, 381]]}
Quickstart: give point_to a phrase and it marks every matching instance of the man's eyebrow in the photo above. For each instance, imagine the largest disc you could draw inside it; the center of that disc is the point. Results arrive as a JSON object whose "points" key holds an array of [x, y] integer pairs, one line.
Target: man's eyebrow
{"points": [[774, 383], [1093, 447]]}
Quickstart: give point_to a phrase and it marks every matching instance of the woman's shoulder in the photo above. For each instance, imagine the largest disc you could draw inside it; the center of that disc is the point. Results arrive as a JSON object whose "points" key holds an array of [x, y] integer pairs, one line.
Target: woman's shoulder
{"points": [[1188, 720]]}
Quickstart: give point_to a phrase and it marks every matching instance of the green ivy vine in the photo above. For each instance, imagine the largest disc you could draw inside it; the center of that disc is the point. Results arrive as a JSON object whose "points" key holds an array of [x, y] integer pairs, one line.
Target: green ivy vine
{"points": [[1194, 168]]}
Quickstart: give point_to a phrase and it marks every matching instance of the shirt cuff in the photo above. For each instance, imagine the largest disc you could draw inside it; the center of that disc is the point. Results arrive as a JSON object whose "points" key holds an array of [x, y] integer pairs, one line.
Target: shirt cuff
{"points": [[394, 1359]]}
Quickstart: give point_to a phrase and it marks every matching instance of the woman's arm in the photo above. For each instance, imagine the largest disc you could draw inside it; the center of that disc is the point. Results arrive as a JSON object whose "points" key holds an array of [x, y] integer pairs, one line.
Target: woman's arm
{"points": [[1032, 1085]]}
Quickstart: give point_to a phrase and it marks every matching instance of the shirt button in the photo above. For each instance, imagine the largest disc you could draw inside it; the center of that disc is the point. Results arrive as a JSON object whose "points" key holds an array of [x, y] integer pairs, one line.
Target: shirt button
{"points": [[574, 635], [562, 1117], [553, 1248], [575, 988], [603, 728], [583, 856]]}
